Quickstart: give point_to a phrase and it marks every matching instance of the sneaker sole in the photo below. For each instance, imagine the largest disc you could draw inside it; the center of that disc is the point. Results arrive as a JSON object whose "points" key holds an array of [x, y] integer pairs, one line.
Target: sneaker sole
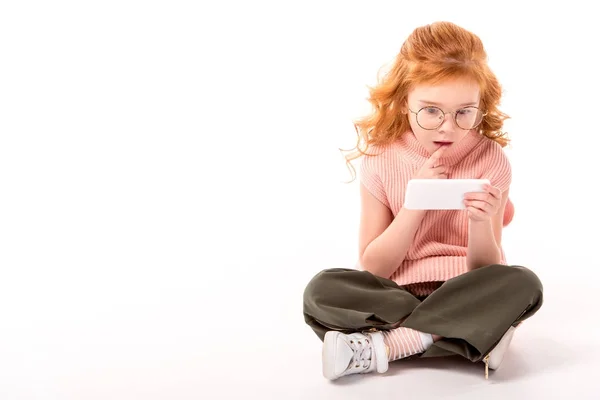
{"points": [[497, 355], [329, 345]]}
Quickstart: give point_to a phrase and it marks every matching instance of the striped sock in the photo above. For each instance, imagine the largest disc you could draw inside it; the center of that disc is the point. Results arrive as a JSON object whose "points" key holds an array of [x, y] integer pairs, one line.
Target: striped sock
{"points": [[405, 342]]}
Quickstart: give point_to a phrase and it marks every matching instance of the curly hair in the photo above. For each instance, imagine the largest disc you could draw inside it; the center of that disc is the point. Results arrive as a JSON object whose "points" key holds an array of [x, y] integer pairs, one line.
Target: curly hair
{"points": [[431, 54]]}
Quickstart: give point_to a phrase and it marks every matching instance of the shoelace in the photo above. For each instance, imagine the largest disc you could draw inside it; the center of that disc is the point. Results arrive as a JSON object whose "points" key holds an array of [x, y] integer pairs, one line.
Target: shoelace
{"points": [[362, 353]]}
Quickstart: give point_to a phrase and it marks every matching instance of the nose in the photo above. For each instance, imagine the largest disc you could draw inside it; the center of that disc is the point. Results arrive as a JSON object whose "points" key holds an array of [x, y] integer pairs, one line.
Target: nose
{"points": [[448, 125]]}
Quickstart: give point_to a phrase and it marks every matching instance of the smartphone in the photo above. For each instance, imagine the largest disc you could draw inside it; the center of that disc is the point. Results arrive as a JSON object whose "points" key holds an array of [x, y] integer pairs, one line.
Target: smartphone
{"points": [[440, 194]]}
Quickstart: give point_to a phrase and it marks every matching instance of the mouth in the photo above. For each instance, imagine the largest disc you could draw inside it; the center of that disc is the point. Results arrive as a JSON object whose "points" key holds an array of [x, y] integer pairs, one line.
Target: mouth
{"points": [[443, 143]]}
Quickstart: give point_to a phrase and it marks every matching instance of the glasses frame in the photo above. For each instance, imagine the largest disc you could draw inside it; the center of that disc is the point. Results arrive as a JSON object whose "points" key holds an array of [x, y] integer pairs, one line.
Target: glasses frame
{"points": [[453, 113]]}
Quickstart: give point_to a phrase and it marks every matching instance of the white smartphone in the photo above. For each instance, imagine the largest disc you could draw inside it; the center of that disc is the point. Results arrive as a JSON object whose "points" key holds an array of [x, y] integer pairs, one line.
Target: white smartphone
{"points": [[440, 194]]}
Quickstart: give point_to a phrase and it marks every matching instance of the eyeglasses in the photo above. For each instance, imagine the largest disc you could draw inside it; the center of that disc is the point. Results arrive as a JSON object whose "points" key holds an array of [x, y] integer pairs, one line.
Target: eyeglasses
{"points": [[431, 117]]}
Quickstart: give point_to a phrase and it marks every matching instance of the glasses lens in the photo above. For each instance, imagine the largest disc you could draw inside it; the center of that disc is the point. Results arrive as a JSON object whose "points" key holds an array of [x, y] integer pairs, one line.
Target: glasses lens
{"points": [[468, 117], [430, 117]]}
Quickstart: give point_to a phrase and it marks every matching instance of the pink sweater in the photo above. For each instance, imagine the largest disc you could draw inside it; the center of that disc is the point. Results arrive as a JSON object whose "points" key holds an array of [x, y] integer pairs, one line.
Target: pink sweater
{"points": [[439, 250]]}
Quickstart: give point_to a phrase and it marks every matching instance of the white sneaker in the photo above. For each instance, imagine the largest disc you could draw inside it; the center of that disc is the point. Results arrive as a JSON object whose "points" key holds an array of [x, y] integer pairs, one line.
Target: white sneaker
{"points": [[355, 353], [495, 357]]}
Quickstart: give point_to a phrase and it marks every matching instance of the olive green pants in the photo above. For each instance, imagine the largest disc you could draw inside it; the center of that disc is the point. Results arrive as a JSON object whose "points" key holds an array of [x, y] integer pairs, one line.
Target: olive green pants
{"points": [[471, 311]]}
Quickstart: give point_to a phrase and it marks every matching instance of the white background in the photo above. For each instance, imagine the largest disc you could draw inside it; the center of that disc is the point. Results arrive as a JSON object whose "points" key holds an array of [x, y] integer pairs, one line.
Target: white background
{"points": [[171, 180]]}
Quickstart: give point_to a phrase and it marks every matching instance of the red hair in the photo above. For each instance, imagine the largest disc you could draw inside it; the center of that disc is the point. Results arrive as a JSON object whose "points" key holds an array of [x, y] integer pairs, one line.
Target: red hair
{"points": [[431, 54]]}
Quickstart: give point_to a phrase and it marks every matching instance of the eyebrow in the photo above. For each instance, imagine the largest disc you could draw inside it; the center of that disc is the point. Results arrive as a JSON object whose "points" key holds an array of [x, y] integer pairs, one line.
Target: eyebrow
{"points": [[433, 103]]}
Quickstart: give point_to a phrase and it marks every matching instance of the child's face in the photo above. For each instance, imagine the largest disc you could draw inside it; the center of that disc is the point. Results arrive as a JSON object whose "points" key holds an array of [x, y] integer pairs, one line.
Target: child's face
{"points": [[449, 97]]}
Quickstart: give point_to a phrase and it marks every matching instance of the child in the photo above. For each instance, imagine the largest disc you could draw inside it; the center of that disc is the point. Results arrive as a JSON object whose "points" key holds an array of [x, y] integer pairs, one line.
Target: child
{"points": [[430, 283]]}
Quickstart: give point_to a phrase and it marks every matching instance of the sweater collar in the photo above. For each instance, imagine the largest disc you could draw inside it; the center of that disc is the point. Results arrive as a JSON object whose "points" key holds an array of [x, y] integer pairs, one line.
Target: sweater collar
{"points": [[411, 146]]}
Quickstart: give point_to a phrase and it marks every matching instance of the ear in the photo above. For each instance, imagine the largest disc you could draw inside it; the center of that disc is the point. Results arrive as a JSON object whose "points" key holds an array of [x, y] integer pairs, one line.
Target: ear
{"points": [[404, 107]]}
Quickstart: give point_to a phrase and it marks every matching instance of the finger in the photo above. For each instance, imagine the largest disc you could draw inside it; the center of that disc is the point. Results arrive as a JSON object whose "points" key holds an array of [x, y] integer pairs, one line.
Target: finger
{"points": [[440, 169], [487, 197], [488, 190], [494, 191], [476, 212], [436, 155], [480, 205]]}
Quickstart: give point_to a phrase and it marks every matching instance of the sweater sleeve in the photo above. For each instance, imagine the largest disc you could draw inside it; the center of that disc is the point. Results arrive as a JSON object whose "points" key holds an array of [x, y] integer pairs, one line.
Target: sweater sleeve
{"points": [[499, 172], [498, 169], [371, 168]]}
